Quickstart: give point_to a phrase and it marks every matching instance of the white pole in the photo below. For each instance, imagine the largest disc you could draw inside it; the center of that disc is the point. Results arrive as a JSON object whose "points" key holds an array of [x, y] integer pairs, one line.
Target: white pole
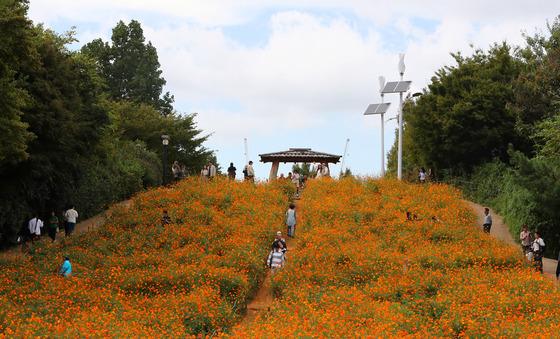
{"points": [[382, 145], [246, 151], [381, 85], [344, 158], [399, 155]]}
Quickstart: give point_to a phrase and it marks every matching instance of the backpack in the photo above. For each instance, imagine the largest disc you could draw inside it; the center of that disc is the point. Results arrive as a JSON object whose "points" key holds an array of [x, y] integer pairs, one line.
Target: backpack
{"points": [[245, 173]]}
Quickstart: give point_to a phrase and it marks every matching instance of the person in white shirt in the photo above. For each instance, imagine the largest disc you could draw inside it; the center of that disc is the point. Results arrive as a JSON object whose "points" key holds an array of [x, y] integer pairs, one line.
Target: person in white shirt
{"points": [[487, 220], [538, 249], [325, 171], [422, 175], [211, 170], [204, 173], [71, 216], [35, 225], [250, 172]]}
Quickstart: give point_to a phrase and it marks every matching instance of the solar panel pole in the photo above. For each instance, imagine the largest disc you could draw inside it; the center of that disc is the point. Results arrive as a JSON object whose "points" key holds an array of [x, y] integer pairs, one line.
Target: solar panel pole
{"points": [[381, 85], [399, 155]]}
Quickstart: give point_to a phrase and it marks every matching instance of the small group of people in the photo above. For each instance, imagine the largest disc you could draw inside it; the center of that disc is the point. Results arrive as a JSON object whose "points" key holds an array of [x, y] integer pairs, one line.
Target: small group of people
{"points": [[249, 172], [179, 171], [35, 225], [322, 170], [208, 172], [277, 256], [533, 247]]}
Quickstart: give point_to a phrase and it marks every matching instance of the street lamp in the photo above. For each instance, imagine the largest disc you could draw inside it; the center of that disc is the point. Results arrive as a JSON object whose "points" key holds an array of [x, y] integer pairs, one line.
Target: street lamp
{"points": [[380, 109], [165, 143], [399, 87]]}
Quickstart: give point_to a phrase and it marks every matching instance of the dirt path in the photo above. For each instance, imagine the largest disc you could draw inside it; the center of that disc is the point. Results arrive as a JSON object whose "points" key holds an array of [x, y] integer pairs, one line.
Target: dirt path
{"points": [[97, 220], [501, 231], [81, 227], [264, 298]]}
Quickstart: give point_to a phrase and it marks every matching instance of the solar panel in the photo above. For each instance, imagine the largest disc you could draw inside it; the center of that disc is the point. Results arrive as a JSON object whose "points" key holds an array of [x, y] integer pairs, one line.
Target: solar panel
{"points": [[403, 86], [396, 87], [377, 108]]}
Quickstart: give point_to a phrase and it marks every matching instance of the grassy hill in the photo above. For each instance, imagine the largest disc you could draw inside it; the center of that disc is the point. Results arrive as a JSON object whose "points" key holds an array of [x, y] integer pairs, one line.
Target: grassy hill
{"points": [[359, 268], [133, 277]]}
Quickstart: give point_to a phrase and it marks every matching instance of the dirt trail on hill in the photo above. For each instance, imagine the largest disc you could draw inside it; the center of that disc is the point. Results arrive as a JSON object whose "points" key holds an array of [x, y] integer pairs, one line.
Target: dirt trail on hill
{"points": [[81, 227], [501, 231], [264, 298], [97, 220]]}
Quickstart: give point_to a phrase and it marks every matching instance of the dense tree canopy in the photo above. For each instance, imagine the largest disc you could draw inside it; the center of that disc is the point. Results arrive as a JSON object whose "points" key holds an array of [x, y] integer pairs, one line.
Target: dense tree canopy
{"points": [[462, 119], [131, 67], [81, 127]]}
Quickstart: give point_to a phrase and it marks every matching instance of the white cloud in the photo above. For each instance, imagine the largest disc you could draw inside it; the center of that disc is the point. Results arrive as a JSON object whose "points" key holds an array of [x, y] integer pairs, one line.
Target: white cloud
{"points": [[312, 68]]}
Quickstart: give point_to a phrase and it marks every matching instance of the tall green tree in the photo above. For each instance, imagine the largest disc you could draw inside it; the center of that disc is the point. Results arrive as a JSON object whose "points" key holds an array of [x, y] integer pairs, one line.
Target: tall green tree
{"points": [[15, 52], [462, 119], [132, 121], [65, 115], [131, 67]]}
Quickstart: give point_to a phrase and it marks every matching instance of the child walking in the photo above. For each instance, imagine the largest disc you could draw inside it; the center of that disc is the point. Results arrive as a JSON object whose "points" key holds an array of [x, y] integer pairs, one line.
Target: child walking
{"points": [[291, 220], [276, 258]]}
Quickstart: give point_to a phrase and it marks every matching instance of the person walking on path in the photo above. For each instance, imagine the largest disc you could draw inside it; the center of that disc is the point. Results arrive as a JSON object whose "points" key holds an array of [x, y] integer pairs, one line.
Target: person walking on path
{"points": [[52, 227], [422, 175], [281, 240], [291, 220], [65, 268], [525, 237], [211, 171], [231, 171], [538, 251], [295, 181], [250, 172], [487, 220], [35, 225], [276, 257], [204, 173], [71, 215], [176, 170], [325, 172], [165, 219], [558, 267]]}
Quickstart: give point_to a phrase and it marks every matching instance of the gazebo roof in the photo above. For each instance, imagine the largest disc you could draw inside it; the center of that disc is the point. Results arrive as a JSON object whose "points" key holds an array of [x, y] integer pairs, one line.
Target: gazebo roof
{"points": [[300, 155]]}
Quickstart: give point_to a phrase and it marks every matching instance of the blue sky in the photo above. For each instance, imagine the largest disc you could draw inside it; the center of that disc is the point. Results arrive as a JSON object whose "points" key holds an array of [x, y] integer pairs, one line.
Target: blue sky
{"points": [[298, 73]]}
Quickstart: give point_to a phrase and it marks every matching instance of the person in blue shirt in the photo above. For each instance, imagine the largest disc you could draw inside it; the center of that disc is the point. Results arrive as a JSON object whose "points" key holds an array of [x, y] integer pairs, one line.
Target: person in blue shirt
{"points": [[66, 268]]}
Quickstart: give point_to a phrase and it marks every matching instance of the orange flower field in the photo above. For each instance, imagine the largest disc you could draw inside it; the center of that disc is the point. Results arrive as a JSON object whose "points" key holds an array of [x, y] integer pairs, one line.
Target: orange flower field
{"points": [[361, 269], [133, 277], [358, 268]]}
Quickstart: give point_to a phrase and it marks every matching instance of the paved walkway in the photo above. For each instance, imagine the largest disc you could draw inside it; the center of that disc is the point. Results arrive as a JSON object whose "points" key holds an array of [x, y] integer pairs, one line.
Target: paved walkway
{"points": [[501, 231]]}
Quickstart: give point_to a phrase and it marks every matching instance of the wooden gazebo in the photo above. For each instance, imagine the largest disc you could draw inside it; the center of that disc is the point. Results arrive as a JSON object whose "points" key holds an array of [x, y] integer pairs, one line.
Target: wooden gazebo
{"points": [[296, 155]]}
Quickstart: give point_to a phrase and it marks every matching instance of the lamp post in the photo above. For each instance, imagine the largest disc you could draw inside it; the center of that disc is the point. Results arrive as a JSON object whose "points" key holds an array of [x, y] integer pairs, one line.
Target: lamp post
{"points": [[399, 156], [165, 143]]}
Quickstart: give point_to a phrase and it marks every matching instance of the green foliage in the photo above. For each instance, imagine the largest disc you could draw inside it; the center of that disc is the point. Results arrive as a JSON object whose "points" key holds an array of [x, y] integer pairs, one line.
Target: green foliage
{"points": [[527, 193], [462, 119], [81, 128], [131, 67], [304, 169], [15, 51]]}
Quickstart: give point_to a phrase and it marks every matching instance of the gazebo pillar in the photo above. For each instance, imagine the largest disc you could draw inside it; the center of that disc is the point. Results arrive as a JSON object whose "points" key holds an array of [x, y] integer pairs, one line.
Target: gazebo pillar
{"points": [[274, 171]]}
